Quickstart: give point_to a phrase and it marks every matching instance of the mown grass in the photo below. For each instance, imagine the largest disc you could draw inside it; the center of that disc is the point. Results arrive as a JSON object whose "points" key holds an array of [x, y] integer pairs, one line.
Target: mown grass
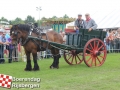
{"points": [[76, 77]]}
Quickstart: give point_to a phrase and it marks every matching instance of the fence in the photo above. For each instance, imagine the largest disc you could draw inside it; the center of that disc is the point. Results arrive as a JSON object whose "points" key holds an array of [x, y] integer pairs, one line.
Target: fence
{"points": [[18, 54], [10, 52]]}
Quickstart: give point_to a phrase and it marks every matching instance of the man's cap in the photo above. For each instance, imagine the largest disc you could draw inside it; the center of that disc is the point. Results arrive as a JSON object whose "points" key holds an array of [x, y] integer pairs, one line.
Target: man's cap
{"points": [[79, 14], [87, 14]]}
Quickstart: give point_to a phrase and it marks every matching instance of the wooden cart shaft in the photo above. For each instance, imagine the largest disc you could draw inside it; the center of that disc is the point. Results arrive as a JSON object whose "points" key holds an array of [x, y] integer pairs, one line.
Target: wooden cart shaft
{"points": [[57, 45]]}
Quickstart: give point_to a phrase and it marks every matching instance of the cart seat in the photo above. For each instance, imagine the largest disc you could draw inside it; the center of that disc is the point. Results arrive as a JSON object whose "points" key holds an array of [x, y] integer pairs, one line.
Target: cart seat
{"points": [[69, 30]]}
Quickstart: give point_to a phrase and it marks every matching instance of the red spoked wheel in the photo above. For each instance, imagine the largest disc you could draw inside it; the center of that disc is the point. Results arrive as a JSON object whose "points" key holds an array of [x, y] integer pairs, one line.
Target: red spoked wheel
{"points": [[72, 58], [94, 53]]}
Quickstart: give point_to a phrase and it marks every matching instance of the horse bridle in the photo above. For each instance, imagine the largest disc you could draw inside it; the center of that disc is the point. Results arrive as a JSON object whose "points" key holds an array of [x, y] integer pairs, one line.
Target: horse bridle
{"points": [[15, 33]]}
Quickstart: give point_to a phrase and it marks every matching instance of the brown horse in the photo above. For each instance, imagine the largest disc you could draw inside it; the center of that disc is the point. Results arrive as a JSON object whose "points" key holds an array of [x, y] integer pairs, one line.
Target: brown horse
{"points": [[20, 33]]}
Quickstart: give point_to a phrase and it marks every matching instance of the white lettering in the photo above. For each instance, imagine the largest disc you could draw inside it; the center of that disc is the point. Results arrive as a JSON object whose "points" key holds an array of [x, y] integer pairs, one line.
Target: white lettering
{"points": [[14, 85]]}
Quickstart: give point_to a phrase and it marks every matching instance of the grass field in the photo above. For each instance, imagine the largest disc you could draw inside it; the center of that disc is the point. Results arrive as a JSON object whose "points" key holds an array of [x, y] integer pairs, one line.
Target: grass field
{"points": [[76, 77]]}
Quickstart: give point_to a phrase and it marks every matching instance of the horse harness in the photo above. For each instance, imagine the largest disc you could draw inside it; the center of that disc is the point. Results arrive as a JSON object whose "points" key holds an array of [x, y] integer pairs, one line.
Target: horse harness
{"points": [[38, 43]]}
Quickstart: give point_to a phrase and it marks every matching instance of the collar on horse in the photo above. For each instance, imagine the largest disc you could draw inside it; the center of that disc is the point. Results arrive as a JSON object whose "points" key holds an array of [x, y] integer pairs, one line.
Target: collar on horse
{"points": [[27, 39]]}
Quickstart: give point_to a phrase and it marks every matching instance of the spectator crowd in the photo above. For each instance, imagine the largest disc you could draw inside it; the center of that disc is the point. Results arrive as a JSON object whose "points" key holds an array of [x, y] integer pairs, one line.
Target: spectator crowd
{"points": [[5, 45], [112, 40]]}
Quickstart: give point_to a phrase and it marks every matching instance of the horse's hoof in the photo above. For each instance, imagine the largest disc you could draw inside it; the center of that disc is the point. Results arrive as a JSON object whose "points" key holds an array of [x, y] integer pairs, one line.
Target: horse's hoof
{"points": [[27, 69], [35, 69], [57, 67], [51, 67]]}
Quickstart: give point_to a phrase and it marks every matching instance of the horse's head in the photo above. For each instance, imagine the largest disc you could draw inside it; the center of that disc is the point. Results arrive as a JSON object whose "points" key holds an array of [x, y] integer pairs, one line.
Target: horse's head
{"points": [[18, 32], [13, 34]]}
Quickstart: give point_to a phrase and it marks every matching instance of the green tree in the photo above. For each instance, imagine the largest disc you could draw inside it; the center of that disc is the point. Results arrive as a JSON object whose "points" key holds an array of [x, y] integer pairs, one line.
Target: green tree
{"points": [[3, 19], [43, 19], [54, 17], [29, 19], [65, 16], [16, 21], [39, 22]]}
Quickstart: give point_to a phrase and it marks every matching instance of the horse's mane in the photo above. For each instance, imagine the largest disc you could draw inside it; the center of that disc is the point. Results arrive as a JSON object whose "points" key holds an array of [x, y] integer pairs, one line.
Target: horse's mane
{"points": [[27, 28], [24, 27]]}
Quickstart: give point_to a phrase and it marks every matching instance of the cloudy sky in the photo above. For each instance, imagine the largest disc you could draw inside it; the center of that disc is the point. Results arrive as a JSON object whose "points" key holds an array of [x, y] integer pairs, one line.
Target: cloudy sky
{"points": [[11, 9]]}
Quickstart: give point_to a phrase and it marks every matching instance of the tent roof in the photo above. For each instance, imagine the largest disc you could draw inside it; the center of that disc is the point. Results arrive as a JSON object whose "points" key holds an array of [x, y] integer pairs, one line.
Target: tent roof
{"points": [[109, 19]]}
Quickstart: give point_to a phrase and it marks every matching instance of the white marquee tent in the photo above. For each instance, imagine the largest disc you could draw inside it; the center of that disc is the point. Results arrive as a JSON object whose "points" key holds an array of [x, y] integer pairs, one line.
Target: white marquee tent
{"points": [[104, 19]]}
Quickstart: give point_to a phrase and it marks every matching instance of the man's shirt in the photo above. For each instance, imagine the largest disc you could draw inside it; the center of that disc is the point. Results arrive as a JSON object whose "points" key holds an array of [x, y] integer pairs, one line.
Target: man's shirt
{"points": [[79, 23], [90, 24], [3, 39]]}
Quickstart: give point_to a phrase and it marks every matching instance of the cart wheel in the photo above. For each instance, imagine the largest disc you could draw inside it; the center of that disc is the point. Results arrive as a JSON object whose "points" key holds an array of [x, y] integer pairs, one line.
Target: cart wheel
{"points": [[94, 53], [72, 58]]}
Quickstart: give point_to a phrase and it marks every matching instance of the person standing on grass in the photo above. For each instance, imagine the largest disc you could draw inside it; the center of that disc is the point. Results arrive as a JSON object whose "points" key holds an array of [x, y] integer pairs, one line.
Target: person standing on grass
{"points": [[111, 38], [3, 43], [114, 40], [118, 40], [107, 41], [61, 33], [1, 48], [64, 37], [10, 49]]}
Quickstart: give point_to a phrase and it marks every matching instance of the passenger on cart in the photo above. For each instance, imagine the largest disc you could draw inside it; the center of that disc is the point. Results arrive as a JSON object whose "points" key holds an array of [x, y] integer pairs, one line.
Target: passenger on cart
{"points": [[89, 23], [79, 23]]}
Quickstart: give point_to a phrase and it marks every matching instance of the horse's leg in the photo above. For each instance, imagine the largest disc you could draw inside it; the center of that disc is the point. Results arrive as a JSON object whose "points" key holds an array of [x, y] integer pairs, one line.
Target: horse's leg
{"points": [[56, 57], [36, 67], [28, 65]]}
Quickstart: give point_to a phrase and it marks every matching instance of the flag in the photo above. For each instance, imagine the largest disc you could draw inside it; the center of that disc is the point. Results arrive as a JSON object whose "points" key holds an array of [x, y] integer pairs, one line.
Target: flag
{"points": [[5, 81]]}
